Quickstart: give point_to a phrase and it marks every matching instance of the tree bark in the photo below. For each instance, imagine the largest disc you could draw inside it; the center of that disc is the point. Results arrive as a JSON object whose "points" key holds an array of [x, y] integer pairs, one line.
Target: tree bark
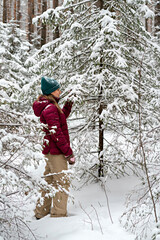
{"points": [[39, 11], [15, 10], [157, 18], [99, 4], [56, 33], [148, 25], [5, 11], [39, 7], [101, 137], [19, 12], [148, 21], [55, 3], [44, 29], [9, 8], [30, 17]]}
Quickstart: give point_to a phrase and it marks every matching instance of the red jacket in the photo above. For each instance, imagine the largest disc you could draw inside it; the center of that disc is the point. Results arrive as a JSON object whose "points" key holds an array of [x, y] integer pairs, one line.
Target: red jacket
{"points": [[56, 140]]}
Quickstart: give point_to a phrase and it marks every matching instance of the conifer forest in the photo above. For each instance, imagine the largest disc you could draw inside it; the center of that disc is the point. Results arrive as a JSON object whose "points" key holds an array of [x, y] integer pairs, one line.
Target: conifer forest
{"points": [[106, 56]]}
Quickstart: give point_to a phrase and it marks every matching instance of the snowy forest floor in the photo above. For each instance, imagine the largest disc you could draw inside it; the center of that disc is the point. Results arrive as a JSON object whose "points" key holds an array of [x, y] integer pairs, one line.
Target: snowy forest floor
{"points": [[90, 202]]}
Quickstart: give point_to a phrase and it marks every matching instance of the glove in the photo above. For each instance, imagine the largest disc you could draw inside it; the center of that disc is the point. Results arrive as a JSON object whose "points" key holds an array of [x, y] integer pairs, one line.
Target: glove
{"points": [[69, 102], [70, 159]]}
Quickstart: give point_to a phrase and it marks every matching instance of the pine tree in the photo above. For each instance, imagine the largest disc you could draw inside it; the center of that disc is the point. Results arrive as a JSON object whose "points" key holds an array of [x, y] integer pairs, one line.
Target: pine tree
{"points": [[98, 56], [20, 149], [108, 64]]}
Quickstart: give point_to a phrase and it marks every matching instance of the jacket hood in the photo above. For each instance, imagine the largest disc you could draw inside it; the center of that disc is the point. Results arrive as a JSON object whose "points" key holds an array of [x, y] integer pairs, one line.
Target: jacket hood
{"points": [[39, 106]]}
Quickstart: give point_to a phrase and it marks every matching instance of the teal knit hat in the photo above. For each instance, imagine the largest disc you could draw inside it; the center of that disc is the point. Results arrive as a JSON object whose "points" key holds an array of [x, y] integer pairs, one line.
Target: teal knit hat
{"points": [[48, 85]]}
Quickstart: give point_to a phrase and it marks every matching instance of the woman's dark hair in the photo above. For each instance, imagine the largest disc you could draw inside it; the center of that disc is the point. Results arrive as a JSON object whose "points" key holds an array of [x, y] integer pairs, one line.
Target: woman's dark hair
{"points": [[51, 98]]}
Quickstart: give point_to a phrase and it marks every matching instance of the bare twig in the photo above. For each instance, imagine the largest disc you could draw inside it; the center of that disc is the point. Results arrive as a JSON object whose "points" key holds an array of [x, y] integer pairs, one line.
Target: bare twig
{"points": [[13, 154], [104, 188], [97, 218], [87, 215], [10, 124], [28, 228]]}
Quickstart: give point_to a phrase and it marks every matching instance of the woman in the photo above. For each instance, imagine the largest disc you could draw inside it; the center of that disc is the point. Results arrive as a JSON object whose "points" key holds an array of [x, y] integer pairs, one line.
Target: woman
{"points": [[56, 147]]}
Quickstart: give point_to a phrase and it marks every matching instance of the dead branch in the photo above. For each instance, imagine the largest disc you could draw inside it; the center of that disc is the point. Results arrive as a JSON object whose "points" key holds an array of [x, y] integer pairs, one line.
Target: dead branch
{"points": [[97, 218], [87, 215]]}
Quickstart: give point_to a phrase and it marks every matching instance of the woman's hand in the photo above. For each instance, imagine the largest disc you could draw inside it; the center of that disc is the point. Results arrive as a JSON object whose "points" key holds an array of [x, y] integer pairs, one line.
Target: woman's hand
{"points": [[69, 102], [70, 159]]}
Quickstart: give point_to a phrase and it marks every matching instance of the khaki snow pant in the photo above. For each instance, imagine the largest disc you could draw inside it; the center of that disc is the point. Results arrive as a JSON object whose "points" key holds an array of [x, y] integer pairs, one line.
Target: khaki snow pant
{"points": [[56, 206]]}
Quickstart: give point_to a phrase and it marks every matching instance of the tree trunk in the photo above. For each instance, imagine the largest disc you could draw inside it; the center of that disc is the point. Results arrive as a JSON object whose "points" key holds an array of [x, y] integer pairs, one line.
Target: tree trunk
{"points": [[147, 24], [55, 3], [39, 11], [30, 17], [148, 21], [101, 137], [18, 12], [5, 11], [56, 33], [9, 8], [39, 7], [157, 18], [15, 10], [44, 29], [99, 4]]}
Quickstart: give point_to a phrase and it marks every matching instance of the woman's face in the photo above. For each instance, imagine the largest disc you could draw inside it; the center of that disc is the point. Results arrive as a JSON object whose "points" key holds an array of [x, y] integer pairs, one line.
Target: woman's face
{"points": [[56, 93]]}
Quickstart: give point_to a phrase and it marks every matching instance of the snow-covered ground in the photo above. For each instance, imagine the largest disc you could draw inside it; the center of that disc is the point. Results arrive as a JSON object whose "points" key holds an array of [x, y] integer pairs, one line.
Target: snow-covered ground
{"points": [[88, 217]]}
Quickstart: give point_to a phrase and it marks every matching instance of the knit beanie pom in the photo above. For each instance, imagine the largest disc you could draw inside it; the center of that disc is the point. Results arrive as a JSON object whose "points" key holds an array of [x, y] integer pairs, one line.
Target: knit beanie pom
{"points": [[49, 85]]}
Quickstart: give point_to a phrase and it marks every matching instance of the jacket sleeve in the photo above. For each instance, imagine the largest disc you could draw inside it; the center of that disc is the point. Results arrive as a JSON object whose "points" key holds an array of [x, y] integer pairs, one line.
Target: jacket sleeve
{"points": [[67, 108], [51, 116]]}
